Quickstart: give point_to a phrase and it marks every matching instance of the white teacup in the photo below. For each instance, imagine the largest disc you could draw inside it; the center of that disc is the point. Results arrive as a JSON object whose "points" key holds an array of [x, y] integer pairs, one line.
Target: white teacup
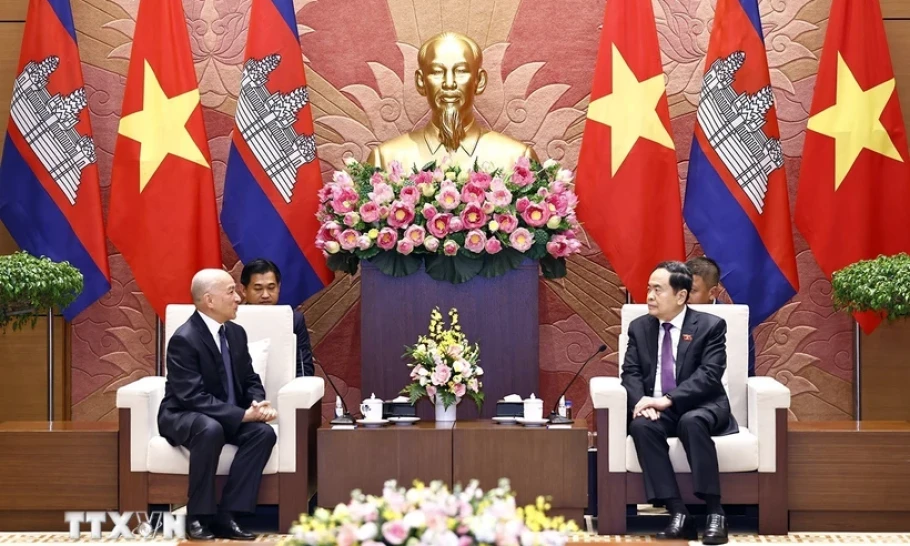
{"points": [[371, 408], [533, 407]]}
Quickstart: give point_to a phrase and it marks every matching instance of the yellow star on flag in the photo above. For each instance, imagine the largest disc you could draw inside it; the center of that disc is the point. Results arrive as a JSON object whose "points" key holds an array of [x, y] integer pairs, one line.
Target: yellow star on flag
{"points": [[854, 121], [160, 127], [630, 110]]}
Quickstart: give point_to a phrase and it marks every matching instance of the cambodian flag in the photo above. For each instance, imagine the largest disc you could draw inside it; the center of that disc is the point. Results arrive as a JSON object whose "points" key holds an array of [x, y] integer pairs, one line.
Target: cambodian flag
{"points": [[736, 196], [273, 176], [50, 199]]}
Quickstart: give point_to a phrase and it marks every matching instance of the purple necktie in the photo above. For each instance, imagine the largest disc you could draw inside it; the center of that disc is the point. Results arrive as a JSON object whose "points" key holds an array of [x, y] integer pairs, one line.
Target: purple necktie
{"points": [[667, 361]]}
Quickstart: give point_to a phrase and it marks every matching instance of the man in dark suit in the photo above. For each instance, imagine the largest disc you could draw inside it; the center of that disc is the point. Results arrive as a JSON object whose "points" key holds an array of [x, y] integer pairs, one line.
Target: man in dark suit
{"points": [[672, 373], [261, 285], [705, 289], [213, 397]]}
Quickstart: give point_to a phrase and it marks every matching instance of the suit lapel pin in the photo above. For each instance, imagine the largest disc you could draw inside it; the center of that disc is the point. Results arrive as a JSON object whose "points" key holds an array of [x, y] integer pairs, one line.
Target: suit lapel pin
{"points": [[687, 337]]}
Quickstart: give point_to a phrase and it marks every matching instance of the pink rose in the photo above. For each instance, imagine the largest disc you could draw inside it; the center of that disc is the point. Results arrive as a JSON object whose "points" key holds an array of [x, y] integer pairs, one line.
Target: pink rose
{"points": [[431, 243], [387, 238], [460, 390], [369, 212], [343, 179], [345, 201], [521, 240], [401, 214], [431, 392], [500, 195], [558, 246], [395, 171], [455, 224], [376, 179], [558, 186], [351, 219], [473, 216], [347, 535], [472, 193], [394, 532], [489, 207], [410, 195], [382, 193], [405, 247], [450, 248], [439, 225], [383, 212], [507, 222], [522, 204], [441, 374], [349, 239], [481, 179], [475, 241], [558, 203], [330, 231], [522, 175], [448, 198], [493, 246], [536, 214], [415, 234], [423, 177], [464, 540], [325, 193], [472, 384], [543, 192], [364, 242], [429, 211]]}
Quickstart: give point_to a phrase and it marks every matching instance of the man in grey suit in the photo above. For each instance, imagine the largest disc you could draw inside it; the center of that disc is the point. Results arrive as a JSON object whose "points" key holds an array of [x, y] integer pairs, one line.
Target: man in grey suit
{"points": [[672, 373]]}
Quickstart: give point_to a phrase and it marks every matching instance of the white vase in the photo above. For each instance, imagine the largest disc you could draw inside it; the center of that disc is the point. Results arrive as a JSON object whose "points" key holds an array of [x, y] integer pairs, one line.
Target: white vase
{"points": [[445, 413]]}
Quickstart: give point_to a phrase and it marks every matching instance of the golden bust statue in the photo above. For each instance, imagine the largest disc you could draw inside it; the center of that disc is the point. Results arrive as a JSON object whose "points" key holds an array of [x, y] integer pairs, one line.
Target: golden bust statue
{"points": [[450, 75]]}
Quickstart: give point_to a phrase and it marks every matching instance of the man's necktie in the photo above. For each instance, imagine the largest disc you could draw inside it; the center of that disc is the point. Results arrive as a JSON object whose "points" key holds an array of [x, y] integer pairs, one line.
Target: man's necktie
{"points": [[228, 368], [667, 361]]}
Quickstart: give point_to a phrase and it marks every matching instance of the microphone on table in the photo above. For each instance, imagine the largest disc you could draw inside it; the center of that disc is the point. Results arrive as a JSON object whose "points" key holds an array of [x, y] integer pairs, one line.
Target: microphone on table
{"points": [[555, 417], [345, 418]]}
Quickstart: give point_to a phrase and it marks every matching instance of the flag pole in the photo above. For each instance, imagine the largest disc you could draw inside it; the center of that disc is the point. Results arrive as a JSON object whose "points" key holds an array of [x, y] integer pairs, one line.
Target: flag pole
{"points": [[159, 368], [857, 379], [50, 364]]}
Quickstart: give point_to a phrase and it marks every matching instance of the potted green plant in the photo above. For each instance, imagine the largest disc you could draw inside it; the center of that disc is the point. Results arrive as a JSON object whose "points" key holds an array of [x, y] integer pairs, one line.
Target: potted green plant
{"points": [[880, 286], [30, 286]]}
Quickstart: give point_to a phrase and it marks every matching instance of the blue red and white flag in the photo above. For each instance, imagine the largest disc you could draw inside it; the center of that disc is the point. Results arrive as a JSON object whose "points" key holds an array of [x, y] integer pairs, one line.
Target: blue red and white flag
{"points": [[737, 202], [50, 197], [273, 175]]}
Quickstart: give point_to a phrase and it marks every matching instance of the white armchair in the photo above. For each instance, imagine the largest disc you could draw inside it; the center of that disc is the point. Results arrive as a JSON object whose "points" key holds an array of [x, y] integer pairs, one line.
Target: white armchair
{"points": [[753, 462], [154, 472]]}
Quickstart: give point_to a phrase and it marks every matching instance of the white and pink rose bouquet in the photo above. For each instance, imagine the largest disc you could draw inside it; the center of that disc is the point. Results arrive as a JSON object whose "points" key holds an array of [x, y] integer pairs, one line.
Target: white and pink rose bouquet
{"points": [[444, 365], [432, 515], [458, 223]]}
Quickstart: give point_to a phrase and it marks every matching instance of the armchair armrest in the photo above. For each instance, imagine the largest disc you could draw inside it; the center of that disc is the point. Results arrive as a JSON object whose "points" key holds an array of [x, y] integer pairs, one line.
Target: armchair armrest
{"points": [[765, 396], [608, 393], [299, 393], [142, 397]]}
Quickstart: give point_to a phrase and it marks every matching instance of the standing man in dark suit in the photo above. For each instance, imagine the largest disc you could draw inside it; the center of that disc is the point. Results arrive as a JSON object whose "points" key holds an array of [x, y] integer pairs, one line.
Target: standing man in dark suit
{"points": [[261, 285], [705, 289], [672, 373], [213, 397]]}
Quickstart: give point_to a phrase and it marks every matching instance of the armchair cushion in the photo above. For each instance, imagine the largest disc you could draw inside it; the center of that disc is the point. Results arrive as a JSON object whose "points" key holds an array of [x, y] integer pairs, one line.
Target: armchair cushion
{"points": [[735, 453], [163, 458]]}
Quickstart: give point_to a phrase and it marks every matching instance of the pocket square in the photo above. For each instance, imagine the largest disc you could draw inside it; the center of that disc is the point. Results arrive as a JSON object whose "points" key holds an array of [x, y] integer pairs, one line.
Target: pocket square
{"points": [[687, 337]]}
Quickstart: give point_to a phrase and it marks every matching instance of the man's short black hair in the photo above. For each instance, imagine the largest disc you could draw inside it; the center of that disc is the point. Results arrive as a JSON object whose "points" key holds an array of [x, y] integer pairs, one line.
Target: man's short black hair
{"points": [[259, 266], [680, 276], [706, 268]]}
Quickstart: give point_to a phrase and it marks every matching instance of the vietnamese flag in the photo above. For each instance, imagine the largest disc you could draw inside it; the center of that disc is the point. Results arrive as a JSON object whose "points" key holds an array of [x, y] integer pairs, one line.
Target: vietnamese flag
{"points": [[163, 216], [627, 183], [854, 186]]}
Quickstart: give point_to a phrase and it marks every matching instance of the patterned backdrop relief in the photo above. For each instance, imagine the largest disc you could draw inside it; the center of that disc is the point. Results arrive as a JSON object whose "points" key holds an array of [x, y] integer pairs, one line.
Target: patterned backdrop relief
{"points": [[540, 55]]}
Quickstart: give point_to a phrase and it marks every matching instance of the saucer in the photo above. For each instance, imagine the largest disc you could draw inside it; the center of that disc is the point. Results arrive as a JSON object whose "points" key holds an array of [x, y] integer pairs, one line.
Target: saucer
{"points": [[506, 420], [372, 424], [404, 420], [532, 422]]}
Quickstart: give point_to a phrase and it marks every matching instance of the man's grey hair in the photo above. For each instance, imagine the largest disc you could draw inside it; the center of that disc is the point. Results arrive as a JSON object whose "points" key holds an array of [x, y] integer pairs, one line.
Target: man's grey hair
{"points": [[204, 282]]}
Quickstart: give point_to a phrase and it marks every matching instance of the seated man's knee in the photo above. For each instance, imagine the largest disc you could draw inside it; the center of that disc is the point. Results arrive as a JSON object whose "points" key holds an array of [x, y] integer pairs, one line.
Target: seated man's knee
{"points": [[692, 423], [643, 425], [266, 433], [211, 431]]}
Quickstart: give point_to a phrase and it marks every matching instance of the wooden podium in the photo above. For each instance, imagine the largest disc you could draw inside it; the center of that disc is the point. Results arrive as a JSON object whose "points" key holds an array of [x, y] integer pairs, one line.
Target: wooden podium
{"points": [[500, 314]]}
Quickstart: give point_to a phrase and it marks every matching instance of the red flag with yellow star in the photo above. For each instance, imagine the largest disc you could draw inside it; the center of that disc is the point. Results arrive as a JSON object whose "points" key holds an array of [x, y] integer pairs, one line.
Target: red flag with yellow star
{"points": [[627, 183], [163, 217], [854, 186]]}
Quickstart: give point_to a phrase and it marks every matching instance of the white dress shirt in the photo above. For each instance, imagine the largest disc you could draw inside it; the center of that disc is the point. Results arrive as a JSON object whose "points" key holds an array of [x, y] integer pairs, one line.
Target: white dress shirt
{"points": [[675, 332], [214, 326]]}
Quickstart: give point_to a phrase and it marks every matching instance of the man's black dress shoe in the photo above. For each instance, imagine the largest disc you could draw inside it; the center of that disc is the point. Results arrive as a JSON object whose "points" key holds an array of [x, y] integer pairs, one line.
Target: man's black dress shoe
{"points": [[681, 526], [716, 530], [196, 530], [230, 530]]}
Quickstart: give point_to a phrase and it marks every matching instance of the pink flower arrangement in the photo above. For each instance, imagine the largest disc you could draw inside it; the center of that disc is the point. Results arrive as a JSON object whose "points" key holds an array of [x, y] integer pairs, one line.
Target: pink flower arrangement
{"points": [[528, 208]]}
